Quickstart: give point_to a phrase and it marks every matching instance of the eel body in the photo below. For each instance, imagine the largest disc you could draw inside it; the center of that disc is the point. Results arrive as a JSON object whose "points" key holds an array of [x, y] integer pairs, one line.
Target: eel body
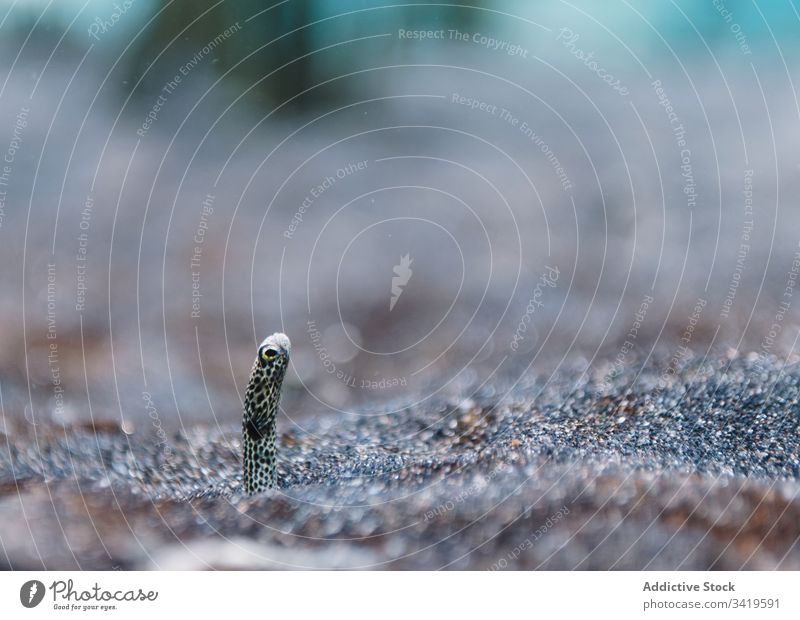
{"points": [[261, 401]]}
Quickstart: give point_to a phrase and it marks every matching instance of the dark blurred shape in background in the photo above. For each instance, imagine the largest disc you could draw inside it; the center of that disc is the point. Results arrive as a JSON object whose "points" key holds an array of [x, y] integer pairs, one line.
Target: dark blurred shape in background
{"points": [[189, 176]]}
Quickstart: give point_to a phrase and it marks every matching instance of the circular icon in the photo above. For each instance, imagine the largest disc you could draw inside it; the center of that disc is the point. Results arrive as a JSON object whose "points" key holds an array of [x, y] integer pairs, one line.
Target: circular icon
{"points": [[31, 593]]}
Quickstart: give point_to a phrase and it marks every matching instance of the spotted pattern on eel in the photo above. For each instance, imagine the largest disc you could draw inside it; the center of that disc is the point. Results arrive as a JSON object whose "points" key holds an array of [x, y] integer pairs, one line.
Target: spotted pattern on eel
{"points": [[260, 409]]}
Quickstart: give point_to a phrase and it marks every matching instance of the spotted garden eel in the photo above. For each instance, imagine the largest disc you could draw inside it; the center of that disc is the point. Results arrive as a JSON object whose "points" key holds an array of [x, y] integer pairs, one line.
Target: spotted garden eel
{"points": [[260, 409]]}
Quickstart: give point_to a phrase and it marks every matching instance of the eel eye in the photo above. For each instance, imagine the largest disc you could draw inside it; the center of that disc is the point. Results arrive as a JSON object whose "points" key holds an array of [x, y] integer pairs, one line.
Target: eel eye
{"points": [[268, 354]]}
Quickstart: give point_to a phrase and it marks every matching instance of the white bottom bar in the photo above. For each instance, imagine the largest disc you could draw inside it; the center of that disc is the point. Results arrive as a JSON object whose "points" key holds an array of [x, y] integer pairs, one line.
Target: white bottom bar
{"points": [[401, 595]]}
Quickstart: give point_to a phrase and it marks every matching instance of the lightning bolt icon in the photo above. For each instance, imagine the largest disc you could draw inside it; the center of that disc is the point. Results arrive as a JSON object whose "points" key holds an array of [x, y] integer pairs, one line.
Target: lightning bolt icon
{"points": [[34, 589], [402, 275]]}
